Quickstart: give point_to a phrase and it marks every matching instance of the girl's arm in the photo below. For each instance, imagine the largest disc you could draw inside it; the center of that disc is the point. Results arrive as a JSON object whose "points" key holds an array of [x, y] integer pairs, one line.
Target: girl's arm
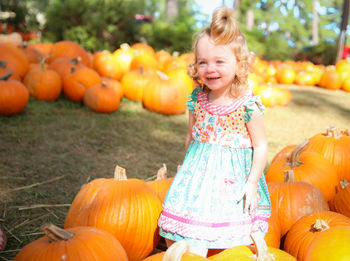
{"points": [[191, 121], [256, 129]]}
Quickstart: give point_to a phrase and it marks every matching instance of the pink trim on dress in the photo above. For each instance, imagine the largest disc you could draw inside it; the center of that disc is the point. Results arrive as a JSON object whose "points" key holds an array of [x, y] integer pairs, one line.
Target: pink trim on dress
{"points": [[218, 109]]}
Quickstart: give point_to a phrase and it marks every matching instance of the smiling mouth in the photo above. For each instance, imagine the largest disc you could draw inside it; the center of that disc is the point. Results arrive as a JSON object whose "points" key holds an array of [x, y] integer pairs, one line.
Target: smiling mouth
{"points": [[212, 78]]}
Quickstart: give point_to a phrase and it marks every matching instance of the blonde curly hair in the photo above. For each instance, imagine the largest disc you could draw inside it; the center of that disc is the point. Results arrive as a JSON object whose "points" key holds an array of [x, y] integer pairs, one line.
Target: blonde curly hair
{"points": [[224, 30]]}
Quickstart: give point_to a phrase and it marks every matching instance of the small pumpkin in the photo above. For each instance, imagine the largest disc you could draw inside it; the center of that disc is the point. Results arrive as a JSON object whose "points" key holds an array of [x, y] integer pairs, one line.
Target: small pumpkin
{"points": [[308, 227], [127, 208], [78, 81], [43, 84], [134, 82], [292, 200], [102, 98], [341, 201], [14, 96], [78, 243], [63, 65]]}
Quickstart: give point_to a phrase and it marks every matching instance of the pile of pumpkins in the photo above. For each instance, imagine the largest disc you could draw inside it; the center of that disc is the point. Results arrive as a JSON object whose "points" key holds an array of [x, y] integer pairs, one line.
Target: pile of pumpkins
{"points": [[99, 80], [116, 218]]}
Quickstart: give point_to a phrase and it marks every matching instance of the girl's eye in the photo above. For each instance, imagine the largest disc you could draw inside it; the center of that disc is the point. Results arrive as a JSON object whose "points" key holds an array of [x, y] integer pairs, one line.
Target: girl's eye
{"points": [[219, 62], [201, 63]]}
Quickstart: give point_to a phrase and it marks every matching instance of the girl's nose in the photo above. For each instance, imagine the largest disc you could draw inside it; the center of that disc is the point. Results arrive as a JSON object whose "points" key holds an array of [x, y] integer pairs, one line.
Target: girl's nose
{"points": [[211, 67]]}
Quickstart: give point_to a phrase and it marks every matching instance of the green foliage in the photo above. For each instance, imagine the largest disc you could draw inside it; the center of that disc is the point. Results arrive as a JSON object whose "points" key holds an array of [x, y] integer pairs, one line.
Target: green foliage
{"points": [[323, 53]]}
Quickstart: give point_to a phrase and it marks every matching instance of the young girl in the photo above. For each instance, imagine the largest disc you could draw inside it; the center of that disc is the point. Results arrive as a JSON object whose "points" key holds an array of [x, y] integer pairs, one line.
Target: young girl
{"points": [[219, 196]]}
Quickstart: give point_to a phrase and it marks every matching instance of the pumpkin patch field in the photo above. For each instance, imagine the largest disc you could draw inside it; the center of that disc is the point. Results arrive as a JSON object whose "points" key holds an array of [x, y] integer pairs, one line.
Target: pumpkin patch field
{"points": [[61, 153]]}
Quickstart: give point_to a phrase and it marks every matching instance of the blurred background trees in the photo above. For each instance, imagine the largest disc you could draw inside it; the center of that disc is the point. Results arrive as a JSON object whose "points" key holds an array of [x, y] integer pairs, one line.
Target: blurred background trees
{"points": [[284, 29]]}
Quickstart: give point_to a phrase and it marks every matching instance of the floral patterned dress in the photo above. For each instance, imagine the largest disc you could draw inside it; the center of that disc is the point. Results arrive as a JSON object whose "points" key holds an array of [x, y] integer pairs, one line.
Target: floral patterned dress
{"points": [[202, 204]]}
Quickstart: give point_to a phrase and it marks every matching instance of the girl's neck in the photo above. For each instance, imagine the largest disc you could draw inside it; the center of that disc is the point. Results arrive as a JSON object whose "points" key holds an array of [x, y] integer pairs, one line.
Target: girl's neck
{"points": [[220, 97]]}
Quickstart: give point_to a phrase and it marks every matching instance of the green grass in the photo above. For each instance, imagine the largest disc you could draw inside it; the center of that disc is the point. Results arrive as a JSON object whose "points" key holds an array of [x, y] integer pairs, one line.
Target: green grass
{"points": [[66, 139]]}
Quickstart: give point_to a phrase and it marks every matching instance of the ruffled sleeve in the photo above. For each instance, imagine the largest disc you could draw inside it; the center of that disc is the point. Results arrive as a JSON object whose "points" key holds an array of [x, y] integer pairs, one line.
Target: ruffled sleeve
{"points": [[193, 99], [253, 105]]}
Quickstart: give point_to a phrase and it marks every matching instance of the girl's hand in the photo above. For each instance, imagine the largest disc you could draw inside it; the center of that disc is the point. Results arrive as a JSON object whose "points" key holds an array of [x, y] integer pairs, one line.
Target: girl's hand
{"points": [[250, 191]]}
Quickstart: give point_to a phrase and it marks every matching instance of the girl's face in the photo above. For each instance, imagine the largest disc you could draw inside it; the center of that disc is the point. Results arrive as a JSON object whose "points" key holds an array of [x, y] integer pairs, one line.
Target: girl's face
{"points": [[216, 64]]}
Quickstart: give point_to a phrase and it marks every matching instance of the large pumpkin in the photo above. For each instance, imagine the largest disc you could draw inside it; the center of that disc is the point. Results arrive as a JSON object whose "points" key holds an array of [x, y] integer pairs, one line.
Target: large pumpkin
{"points": [[308, 227], [341, 201], [134, 83], [330, 245], [14, 96], [78, 244], [4, 69], [292, 200], [307, 167], [124, 56], [334, 145], [69, 50], [63, 66], [102, 98], [165, 95], [15, 58], [127, 208]]}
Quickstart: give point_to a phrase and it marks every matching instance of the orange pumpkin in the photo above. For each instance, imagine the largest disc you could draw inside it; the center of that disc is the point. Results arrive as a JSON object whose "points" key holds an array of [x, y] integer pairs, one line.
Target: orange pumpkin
{"points": [[330, 245], [292, 200], [14, 96], [64, 66], [308, 227], [43, 48], [341, 201], [15, 58], [102, 98], [268, 95], [78, 243], [331, 79], [143, 48], [307, 166], [32, 54], [134, 83], [334, 146], [124, 56], [273, 235], [343, 68], [107, 65], [43, 84], [69, 50], [145, 60], [76, 83], [162, 56], [286, 75], [127, 208], [4, 69], [165, 95], [173, 64], [162, 183]]}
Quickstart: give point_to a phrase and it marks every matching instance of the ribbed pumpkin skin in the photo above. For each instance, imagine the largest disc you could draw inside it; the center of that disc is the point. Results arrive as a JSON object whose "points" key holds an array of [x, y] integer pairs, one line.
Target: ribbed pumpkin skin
{"points": [[330, 245], [44, 84], [102, 98], [14, 97], [15, 58], [315, 170], [165, 96], [293, 200], [87, 244], [76, 83], [69, 50], [301, 234], [341, 201], [161, 187], [128, 209], [335, 150]]}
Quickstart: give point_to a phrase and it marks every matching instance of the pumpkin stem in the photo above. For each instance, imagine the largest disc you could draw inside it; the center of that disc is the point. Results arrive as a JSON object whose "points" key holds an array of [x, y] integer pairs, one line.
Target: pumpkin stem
{"points": [[76, 60], [125, 46], [176, 251], [333, 132], [162, 75], [261, 248], [6, 76], [104, 84], [55, 233], [3, 63], [120, 173], [319, 226], [344, 183], [293, 158], [162, 173], [175, 54], [289, 175], [345, 132]]}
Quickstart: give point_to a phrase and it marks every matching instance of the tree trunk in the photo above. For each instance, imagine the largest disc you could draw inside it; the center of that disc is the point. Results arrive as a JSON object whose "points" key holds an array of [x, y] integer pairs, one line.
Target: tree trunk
{"points": [[236, 6], [314, 22], [171, 9], [250, 20], [342, 36]]}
